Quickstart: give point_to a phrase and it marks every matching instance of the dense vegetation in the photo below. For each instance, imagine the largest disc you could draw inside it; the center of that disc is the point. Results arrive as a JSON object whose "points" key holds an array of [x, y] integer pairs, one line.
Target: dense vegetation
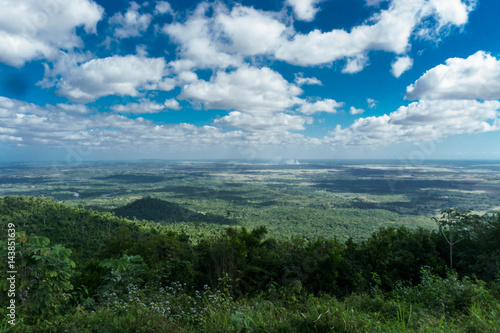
{"points": [[153, 209], [85, 271], [339, 199]]}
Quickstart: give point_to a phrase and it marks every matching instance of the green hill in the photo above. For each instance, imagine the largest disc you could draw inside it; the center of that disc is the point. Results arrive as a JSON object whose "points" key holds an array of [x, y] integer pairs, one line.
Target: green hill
{"points": [[79, 229], [139, 276], [158, 210]]}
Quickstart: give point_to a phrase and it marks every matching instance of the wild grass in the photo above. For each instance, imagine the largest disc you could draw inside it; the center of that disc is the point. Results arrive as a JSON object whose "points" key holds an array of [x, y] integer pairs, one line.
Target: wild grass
{"points": [[178, 309]]}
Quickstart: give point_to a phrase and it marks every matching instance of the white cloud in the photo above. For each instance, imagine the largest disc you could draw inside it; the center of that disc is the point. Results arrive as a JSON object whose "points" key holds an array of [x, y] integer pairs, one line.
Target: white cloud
{"points": [[223, 39], [32, 29], [216, 37], [300, 80], [353, 110], [163, 7], [355, 64], [109, 134], [28, 124], [279, 122], [375, 2], [257, 98], [114, 75], [371, 103], [187, 76], [198, 42], [305, 10], [250, 31], [453, 11], [172, 104], [477, 77], [401, 65], [249, 89], [77, 108], [130, 24], [146, 106], [325, 105], [389, 30], [166, 84], [141, 50], [423, 120]]}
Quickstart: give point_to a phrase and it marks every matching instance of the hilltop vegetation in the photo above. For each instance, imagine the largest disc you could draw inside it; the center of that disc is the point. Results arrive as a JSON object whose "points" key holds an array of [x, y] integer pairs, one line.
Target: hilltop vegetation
{"points": [[153, 209], [111, 274], [81, 230], [340, 199]]}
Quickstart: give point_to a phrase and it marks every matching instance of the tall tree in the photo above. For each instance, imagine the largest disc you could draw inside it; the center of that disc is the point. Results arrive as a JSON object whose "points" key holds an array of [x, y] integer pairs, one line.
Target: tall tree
{"points": [[456, 225]]}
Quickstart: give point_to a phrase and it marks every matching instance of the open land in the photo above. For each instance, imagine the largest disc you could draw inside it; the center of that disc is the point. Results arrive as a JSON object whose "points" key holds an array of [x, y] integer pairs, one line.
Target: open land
{"points": [[338, 199]]}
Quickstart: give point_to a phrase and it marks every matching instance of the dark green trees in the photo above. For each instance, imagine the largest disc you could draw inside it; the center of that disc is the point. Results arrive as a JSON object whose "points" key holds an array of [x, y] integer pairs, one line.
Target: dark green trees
{"points": [[43, 275]]}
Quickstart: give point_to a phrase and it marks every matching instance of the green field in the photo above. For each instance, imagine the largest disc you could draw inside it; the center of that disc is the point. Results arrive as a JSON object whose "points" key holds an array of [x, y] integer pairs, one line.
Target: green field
{"points": [[316, 198]]}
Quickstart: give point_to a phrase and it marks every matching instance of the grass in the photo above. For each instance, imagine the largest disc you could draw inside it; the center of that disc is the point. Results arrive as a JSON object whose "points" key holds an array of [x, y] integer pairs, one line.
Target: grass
{"points": [[178, 309]]}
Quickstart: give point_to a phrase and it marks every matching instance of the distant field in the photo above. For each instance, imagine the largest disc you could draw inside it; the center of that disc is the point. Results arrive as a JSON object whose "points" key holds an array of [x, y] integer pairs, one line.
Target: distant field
{"points": [[316, 198]]}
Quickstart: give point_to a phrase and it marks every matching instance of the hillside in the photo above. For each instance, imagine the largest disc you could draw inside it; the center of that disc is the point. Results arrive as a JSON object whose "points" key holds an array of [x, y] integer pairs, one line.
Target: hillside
{"points": [[158, 210], [79, 229], [85, 271]]}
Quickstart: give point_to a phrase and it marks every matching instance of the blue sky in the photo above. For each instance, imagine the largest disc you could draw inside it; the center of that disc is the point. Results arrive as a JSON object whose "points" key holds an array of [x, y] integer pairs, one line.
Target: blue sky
{"points": [[289, 79]]}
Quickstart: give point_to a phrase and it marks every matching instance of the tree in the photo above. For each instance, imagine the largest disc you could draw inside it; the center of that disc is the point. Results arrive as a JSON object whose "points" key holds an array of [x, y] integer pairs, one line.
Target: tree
{"points": [[44, 274], [456, 225], [124, 271]]}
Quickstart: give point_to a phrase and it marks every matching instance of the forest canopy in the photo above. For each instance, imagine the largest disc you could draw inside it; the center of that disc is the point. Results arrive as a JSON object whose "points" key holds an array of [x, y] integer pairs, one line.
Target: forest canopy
{"points": [[95, 265]]}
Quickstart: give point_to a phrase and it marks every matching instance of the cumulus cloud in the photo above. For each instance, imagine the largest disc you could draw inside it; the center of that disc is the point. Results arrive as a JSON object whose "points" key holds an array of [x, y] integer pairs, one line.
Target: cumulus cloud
{"points": [[251, 31], [163, 7], [198, 42], [325, 105], [248, 89], [130, 24], [172, 104], [231, 41], [226, 38], [477, 77], [24, 123], [77, 108], [452, 11], [401, 65], [223, 39], [146, 106], [389, 30], [371, 103], [374, 2], [304, 10], [29, 123], [278, 122], [423, 120], [353, 110], [355, 64], [114, 75], [32, 29], [256, 98], [300, 80]]}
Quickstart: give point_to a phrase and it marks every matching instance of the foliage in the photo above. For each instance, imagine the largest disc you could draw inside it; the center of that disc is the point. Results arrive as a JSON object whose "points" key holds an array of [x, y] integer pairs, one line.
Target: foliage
{"points": [[145, 278], [393, 255], [445, 296], [124, 271], [455, 226], [44, 275], [62, 223], [153, 209]]}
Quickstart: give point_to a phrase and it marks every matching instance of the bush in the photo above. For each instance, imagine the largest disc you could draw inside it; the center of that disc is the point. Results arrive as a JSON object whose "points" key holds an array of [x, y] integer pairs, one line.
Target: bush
{"points": [[447, 296]]}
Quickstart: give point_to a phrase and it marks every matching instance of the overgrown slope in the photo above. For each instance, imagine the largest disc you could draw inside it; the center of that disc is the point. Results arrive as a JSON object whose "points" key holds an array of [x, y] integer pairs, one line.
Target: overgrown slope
{"points": [[158, 210], [79, 229]]}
